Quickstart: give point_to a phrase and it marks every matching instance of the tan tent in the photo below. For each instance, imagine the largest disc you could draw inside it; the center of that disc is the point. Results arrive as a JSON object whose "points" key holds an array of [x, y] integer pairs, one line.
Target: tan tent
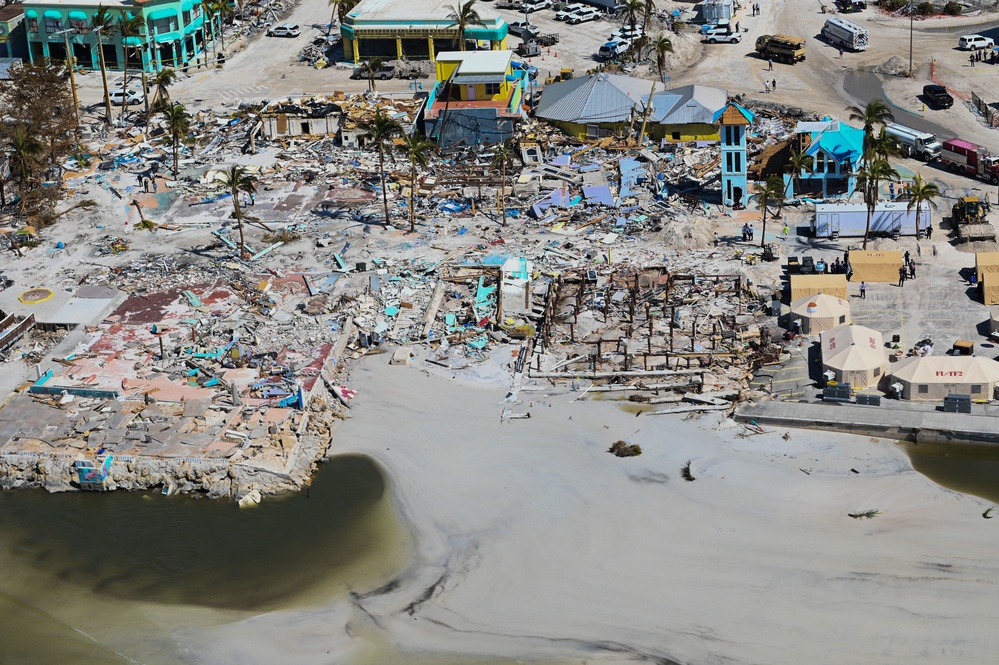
{"points": [[990, 288], [854, 354], [806, 285], [819, 312], [934, 377], [986, 262], [875, 266]]}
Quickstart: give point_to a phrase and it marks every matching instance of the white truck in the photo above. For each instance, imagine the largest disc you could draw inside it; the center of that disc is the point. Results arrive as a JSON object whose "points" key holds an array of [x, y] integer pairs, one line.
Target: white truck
{"points": [[890, 218], [843, 33], [914, 143]]}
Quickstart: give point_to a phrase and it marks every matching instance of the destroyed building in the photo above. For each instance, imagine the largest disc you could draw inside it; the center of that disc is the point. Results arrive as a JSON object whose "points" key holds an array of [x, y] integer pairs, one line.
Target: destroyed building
{"points": [[297, 116]]}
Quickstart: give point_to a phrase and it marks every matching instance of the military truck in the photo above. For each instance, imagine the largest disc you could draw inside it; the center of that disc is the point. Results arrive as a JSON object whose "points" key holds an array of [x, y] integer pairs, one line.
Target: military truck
{"points": [[782, 48]]}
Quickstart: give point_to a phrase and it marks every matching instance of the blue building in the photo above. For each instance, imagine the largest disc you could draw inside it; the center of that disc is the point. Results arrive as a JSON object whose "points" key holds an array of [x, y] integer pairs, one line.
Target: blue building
{"points": [[836, 150], [734, 122]]}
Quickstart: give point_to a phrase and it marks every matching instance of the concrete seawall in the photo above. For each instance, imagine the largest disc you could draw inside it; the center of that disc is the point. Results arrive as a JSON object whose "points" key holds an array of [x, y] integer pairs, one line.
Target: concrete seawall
{"points": [[916, 423]]}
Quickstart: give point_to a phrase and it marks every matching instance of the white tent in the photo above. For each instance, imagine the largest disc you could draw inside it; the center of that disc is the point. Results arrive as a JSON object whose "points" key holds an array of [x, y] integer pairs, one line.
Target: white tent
{"points": [[935, 377], [854, 354], [819, 312]]}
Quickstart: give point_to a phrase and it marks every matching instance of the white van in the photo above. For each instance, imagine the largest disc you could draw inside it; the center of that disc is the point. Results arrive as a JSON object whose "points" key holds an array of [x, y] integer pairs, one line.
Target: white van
{"points": [[972, 42], [843, 33]]}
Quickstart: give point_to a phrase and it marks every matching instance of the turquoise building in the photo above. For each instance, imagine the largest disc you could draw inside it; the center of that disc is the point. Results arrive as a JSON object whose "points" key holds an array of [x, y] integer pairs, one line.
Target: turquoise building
{"points": [[734, 122], [174, 33]]}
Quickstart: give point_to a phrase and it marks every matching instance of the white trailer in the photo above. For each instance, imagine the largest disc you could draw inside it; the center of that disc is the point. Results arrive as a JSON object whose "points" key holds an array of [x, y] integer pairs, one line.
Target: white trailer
{"points": [[843, 33], [890, 218], [915, 143]]}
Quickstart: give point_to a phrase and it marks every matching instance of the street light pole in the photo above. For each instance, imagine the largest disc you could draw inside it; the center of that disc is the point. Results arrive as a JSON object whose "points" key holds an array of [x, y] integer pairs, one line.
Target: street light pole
{"points": [[911, 15], [71, 63]]}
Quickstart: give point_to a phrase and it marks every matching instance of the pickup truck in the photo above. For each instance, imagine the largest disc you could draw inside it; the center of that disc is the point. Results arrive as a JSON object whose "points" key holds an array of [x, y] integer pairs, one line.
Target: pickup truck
{"points": [[510, 4], [383, 74]]}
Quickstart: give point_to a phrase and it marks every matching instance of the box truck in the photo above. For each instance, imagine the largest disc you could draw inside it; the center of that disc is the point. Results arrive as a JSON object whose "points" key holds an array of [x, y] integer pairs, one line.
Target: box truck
{"points": [[970, 159], [843, 33], [914, 143], [890, 218], [782, 48]]}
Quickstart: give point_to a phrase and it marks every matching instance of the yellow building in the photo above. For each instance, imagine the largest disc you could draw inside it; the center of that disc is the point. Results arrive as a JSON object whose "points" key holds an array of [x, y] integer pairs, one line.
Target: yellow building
{"points": [[608, 104]]}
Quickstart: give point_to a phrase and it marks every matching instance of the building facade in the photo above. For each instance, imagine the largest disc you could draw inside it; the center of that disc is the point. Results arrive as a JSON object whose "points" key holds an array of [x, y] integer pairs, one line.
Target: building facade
{"points": [[836, 150], [734, 122], [174, 33], [414, 29], [477, 98]]}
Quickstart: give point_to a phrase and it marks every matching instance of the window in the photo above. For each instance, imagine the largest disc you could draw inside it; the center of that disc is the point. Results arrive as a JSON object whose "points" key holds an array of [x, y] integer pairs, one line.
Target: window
{"points": [[592, 131], [81, 26], [492, 88], [32, 25], [53, 25], [730, 135], [924, 389], [842, 319], [820, 162], [305, 127], [738, 163], [728, 162], [187, 18], [877, 370], [675, 136], [976, 389], [161, 25]]}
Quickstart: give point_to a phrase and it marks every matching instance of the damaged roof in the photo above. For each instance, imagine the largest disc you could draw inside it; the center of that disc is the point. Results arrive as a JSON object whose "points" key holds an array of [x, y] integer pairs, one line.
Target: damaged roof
{"points": [[598, 98]]}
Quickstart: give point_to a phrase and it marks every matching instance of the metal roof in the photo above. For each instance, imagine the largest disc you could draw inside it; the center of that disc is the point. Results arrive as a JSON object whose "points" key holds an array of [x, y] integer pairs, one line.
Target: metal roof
{"points": [[687, 105], [594, 99]]}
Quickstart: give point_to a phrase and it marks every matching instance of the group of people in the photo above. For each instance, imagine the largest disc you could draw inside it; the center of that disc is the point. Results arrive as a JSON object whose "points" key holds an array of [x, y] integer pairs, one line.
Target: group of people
{"points": [[755, 7], [907, 270], [748, 233], [770, 86], [978, 55]]}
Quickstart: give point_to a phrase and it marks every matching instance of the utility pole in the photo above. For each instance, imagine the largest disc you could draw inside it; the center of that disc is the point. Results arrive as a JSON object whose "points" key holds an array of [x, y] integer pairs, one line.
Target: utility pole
{"points": [[912, 13]]}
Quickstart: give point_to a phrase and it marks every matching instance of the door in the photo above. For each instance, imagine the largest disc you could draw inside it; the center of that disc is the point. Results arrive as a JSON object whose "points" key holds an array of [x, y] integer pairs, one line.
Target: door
{"points": [[470, 93]]}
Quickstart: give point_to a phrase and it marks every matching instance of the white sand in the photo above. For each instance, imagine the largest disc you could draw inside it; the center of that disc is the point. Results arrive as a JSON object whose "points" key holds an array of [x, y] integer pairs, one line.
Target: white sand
{"points": [[552, 549]]}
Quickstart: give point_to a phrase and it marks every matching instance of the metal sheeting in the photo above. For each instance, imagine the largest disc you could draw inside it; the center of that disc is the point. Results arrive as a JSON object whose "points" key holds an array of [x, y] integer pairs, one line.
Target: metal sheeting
{"points": [[599, 98]]}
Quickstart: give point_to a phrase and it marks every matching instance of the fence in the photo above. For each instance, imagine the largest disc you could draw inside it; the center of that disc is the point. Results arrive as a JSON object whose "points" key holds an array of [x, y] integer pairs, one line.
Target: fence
{"points": [[990, 115]]}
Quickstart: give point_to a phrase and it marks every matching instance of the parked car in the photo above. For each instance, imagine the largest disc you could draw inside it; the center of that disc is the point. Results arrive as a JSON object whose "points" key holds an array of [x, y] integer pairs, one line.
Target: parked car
{"points": [[722, 35], [938, 96], [720, 23], [584, 15], [132, 96], [535, 6], [972, 42], [523, 29], [627, 34], [531, 70], [284, 30], [613, 48], [383, 74], [569, 10]]}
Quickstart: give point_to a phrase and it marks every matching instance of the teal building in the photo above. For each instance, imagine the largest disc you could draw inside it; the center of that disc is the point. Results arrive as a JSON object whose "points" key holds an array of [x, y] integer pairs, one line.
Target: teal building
{"points": [[174, 33], [734, 121]]}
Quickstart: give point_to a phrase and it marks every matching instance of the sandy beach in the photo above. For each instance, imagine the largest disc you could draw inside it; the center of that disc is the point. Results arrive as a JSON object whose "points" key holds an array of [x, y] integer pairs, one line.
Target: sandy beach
{"points": [[532, 543]]}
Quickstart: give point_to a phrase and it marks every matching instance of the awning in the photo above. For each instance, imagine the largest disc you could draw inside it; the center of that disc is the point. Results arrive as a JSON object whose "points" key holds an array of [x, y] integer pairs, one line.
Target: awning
{"points": [[472, 79], [78, 16], [168, 37], [31, 13], [162, 13], [51, 13], [186, 6]]}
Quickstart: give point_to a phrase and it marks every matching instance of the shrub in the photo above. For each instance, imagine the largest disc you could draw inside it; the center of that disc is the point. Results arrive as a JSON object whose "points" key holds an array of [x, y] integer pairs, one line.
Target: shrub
{"points": [[926, 8], [953, 9], [623, 449]]}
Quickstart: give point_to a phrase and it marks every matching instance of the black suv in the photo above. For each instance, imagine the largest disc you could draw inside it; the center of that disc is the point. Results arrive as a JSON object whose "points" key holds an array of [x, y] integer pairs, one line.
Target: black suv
{"points": [[938, 96]]}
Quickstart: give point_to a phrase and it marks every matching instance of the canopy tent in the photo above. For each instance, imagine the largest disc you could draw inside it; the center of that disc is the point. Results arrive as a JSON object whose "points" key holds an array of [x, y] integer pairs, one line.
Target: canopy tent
{"points": [[854, 354], [990, 288], [875, 266], [806, 285], [935, 377], [986, 262], [993, 322], [819, 312]]}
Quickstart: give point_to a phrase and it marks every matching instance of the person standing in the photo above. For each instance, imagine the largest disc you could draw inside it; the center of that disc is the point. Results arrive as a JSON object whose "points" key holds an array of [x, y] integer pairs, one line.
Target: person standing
{"points": [[773, 85], [770, 65], [906, 256], [901, 276], [863, 290], [971, 59], [912, 270], [752, 233], [787, 231], [766, 86]]}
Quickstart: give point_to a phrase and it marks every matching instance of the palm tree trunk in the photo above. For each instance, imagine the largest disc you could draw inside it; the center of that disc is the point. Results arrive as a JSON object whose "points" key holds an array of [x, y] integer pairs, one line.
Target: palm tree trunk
{"points": [[176, 150], [867, 229], [763, 233], [381, 170], [503, 194], [412, 195], [329, 28], [124, 84], [239, 222], [104, 78]]}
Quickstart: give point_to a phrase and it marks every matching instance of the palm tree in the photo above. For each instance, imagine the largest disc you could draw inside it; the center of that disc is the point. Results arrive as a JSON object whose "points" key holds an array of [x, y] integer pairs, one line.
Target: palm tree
{"points": [[463, 15], [921, 192], [130, 27], [770, 191], [650, 7], [883, 146], [869, 179], [161, 81], [99, 22], [418, 148], [796, 163], [236, 179], [222, 9], [381, 129], [505, 153], [178, 122], [876, 112], [25, 151], [340, 9], [663, 45], [633, 9], [374, 66]]}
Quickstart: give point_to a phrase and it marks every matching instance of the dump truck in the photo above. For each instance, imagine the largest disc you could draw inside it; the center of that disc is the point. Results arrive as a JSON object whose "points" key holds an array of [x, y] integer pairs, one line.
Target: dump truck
{"points": [[782, 48], [970, 159], [890, 218], [914, 143], [969, 221]]}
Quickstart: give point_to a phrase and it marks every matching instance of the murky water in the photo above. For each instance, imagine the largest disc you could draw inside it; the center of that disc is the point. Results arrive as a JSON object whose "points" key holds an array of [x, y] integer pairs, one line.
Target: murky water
{"points": [[79, 568], [968, 469]]}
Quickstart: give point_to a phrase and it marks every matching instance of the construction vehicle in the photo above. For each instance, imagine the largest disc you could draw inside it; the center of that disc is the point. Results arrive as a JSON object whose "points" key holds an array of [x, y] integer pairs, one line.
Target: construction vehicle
{"points": [[565, 74], [782, 48], [969, 220], [970, 159]]}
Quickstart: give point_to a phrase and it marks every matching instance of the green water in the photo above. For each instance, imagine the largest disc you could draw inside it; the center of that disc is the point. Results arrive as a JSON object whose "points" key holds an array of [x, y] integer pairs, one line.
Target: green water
{"points": [[80, 569], [967, 469]]}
